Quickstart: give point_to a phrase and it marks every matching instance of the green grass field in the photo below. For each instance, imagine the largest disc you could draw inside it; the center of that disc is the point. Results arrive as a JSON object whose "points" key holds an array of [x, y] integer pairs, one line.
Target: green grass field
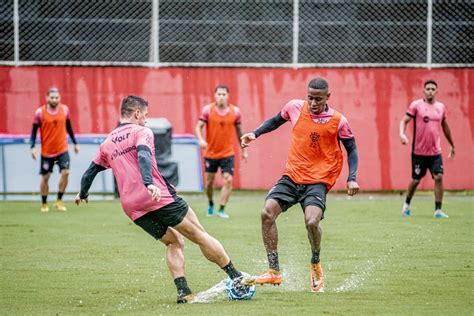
{"points": [[93, 260]]}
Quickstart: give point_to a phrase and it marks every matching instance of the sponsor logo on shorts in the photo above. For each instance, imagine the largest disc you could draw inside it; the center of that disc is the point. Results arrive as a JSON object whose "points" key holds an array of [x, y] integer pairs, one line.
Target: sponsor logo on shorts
{"points": [[45, 165], [417, 170]]}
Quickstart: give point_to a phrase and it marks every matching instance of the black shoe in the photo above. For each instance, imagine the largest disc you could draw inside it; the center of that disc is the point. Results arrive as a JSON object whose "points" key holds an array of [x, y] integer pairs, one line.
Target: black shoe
{"points": [[184, 298]]}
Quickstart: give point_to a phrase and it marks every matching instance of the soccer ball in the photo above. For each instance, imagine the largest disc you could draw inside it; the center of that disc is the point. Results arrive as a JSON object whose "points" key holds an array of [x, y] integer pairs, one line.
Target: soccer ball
{"points": [[239, 293]]}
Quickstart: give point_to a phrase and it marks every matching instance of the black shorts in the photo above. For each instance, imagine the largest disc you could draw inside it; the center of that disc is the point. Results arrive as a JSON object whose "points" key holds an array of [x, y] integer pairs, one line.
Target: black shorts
{"points": [[288, 193], [226, 165], [156, 223], [419, 165], [47, 163]]}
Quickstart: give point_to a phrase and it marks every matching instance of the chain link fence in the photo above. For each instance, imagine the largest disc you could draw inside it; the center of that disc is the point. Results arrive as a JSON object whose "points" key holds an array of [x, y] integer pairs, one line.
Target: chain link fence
{"points": [[287, 33]]}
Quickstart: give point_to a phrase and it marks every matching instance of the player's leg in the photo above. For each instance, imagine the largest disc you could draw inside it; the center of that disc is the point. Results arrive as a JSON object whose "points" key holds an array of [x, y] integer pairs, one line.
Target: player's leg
{"points": [[174, 243], [210, 175], [63, 163], [436, 169], [46, 167], [314, 204], [227, 168], [418, 171]]}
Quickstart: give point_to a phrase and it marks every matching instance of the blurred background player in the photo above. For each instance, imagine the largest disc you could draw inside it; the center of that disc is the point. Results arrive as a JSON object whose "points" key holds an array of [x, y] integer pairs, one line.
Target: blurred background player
{"points": [[222, 121], [429, 116], [313, 166], [149, 200], [53, 121]]}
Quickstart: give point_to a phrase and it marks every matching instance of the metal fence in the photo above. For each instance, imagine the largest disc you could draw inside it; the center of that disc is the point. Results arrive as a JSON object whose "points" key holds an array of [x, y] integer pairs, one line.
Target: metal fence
{"points": [[282, 33]]}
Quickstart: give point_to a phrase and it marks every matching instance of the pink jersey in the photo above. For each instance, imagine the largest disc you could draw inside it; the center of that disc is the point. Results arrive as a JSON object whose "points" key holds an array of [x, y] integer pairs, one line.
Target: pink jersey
{"points": [[427, 118], [119, 152], [292, 111], [206, 112]]}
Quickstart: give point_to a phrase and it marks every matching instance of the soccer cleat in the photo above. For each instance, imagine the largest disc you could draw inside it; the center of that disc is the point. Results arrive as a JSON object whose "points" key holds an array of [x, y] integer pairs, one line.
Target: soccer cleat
{"points": [[221, 214], [60, 206], [317, 278], [210, 211], [184, 298], [440, 214], [44, 208], [406, 213], [270, 277]]}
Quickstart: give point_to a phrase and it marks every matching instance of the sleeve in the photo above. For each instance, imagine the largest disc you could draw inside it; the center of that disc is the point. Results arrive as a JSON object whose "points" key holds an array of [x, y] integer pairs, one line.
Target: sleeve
{"points": [[206, 111], [412, 109], [101, 159], [145, 138], [292, 109], [38, 117], [88, 178], [66, 111], [352, 157], [344, 130], [238, 116]]}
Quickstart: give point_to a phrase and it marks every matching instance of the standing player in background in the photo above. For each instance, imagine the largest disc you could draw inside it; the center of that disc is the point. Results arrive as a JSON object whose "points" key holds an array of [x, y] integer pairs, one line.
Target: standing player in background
{"points": [[222, 121], [149, 200], [53, 121], [313, 166], [429, 116]]}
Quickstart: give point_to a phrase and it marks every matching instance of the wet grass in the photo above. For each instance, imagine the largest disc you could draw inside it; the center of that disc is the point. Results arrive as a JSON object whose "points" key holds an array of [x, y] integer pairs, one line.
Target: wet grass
{"points": [[93, 260]]}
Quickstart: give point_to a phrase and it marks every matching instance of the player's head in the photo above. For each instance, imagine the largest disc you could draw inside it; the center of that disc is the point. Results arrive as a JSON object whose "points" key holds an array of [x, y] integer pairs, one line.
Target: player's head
{"points": [[430, 90], [221, 94], [134, 110], [53, 97], [318, 94]]}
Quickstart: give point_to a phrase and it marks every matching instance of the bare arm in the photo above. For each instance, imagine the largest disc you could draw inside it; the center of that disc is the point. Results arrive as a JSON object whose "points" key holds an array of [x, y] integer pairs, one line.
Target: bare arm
{"points": [[447, 133], [199, 126], [403, 127], [238, 130]]}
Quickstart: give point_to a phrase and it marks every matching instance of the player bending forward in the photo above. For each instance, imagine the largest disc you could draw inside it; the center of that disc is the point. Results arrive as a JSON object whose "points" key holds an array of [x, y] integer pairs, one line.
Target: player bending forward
{"points": [[149, 200], [313, 166]]}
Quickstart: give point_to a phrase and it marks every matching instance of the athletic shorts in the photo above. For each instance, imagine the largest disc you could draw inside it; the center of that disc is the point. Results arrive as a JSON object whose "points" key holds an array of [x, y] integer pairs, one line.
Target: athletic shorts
{"points": [[287, 193], [419, 165], [226, 165], [156, 222], [47, 163]]}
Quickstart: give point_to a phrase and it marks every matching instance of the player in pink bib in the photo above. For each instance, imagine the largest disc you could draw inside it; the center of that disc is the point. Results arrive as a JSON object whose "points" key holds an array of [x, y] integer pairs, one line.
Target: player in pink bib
{"points": [[429, 118], [149, 200]]}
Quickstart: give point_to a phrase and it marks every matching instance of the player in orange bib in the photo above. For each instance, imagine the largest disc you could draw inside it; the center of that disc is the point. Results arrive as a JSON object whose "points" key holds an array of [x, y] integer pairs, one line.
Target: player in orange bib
{"points": [[53, 121], [313, 166], [222, 121]]}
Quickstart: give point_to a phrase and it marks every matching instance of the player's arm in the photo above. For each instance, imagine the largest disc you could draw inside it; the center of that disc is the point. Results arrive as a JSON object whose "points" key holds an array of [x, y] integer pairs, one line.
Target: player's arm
{"points": [[34, 131], [266, 127], [447, 133], [145, 163], [238, 129], [353, 162], [86, 182], [71, 135], [199, 126], [403, 126]]}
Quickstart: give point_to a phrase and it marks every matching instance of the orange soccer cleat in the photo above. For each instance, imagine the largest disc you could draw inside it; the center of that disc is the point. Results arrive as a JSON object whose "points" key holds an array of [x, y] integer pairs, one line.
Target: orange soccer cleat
{"points": [[317, 278], [270, 277]]}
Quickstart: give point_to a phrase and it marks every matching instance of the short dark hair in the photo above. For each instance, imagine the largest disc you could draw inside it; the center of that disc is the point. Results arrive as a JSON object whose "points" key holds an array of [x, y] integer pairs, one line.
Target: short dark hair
{"points": [[52, 90], [131, 103], [221, 86], [430, 81], [318, 84]]}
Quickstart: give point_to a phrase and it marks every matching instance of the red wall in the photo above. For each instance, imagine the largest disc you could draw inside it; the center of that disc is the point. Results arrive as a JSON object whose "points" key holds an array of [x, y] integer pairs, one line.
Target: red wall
{"points": [[374, 101]]}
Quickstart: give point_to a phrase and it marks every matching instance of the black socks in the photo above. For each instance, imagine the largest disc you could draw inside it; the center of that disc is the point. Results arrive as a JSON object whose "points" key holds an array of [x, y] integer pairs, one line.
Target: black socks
{"points": [[231, 271], [273, 260], [182, 286]]}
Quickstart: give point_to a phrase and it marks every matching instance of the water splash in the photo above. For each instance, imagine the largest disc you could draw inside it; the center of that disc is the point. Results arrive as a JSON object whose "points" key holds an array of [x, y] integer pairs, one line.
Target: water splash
{"points": [[214, 294]]}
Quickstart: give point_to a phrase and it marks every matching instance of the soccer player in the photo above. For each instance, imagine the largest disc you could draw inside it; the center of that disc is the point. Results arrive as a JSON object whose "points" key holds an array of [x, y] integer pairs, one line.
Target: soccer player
{"points": [[53, 121], [429, 117], [313, 166], [222, 121], [149, 200]]}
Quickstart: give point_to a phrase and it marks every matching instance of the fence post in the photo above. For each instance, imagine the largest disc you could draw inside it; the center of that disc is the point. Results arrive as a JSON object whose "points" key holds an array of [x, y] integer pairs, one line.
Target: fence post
{"points": [[154, 34], [296, 31], [16, 33], [429, 34]]}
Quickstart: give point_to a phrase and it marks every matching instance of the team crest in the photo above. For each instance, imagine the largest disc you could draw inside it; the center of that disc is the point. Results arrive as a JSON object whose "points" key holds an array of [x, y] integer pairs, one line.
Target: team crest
{"points": [[417, 170], [314, 139]]}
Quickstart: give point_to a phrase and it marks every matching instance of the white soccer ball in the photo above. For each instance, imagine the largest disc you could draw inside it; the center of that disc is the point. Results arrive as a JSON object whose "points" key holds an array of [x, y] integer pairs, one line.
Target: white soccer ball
{"points": [[239, 293]]}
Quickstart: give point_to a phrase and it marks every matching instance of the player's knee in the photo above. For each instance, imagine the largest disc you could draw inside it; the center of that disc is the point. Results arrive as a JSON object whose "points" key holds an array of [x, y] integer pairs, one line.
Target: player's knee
{"points": [[65, 172], [438, 177], [267, 215], [415, 181], [227, 179], [312, 223]]}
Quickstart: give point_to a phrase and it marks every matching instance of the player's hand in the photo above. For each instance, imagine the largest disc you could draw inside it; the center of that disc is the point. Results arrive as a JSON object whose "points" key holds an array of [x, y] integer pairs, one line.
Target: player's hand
{"points": [[246, 139], [78, 200], [245, 154], [203, 144], [352, 188], [154, 192], [33, 153], [403, 139], [76, 149], [452, 153]]}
